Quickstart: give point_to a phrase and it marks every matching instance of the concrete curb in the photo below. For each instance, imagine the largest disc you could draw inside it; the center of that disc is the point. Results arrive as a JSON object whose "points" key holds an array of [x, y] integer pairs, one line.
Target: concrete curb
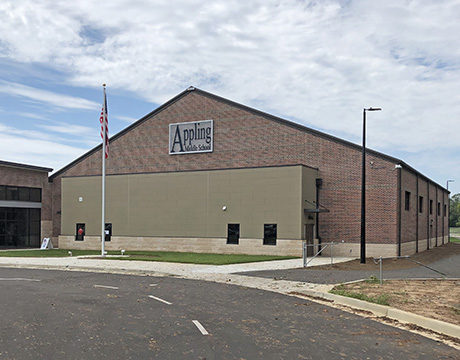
{"points": [[390, 312]]}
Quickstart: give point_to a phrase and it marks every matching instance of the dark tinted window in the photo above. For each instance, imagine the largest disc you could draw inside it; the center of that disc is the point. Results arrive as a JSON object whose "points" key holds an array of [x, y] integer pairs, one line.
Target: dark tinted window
{"points": [[108, 231], [445, 209], [431, 207], [19, 227], [80, 232], [407, 201], [24, 194], [16, 193], [233, 233], [12, 193], [270, 234], [439, 209], [420, 204], [35, 195]]}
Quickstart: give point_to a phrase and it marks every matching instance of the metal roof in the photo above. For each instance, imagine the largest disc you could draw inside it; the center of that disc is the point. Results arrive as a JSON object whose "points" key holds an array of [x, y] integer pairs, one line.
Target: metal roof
{"points": [[25, 166]]}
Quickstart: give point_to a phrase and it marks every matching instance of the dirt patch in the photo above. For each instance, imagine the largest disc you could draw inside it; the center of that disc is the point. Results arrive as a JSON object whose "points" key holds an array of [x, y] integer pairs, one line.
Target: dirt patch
{"points": [[437, 299], [425, 257]]}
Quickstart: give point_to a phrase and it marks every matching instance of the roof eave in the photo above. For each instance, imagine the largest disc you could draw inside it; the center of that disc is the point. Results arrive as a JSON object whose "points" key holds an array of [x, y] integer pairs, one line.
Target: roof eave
{"points": [[25, 166]]}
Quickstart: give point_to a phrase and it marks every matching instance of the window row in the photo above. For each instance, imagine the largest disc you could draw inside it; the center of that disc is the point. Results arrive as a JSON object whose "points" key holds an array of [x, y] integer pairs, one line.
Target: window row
{"points": [[80, 232], [20, 193], [420, 205], [270, 234], [233, 233]]}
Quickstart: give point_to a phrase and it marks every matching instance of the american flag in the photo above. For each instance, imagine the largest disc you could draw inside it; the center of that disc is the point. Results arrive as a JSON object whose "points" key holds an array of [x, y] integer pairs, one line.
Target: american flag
{"points": [[104, 120]]}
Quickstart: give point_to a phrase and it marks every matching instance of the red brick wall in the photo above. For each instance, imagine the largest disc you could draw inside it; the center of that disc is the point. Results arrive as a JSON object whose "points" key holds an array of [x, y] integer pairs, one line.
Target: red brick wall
{"points": [[408, 218], [423, 216], [432, 216], [29, 178], [245, 139]]}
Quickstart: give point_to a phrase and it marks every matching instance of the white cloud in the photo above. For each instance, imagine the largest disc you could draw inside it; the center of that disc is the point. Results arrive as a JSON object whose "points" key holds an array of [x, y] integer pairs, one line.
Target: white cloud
{"points": [[69, 129], [127, 119], [35, 148], [319, 62], [32, 116], [47, 97]]}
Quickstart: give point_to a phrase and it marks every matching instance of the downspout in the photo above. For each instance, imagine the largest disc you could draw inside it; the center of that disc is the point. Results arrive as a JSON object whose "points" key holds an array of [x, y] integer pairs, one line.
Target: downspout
{"points": [[437, 214], [448, 216], [428, 216], [399, 211], [442, 217], [416, 217], [319, 183]]}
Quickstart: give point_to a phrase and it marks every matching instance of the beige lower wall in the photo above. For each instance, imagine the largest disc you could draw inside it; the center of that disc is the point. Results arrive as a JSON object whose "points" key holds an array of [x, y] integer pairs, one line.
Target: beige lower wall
{"points": [[409, 248], [439, 241], [199, 245], [354, 250], [245, 246]]}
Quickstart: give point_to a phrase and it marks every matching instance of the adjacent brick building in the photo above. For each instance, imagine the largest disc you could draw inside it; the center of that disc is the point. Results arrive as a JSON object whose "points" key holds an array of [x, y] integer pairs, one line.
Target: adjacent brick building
{"points": [[24, 217], [232, 199]]}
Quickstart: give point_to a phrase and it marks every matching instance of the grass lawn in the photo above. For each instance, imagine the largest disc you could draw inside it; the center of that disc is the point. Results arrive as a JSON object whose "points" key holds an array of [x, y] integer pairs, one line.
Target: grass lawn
{"points": [[455, 240], [380, 299], [455, 231], [179, 257]]}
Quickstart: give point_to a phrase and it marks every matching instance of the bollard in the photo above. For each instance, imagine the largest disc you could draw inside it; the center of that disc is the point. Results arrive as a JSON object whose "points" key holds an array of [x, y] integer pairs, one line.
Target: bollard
{"points": [[332, 256], [304, 253]]}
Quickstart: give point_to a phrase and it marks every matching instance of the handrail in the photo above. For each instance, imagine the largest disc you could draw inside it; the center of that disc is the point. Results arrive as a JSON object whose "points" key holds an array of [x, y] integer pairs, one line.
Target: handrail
{"points": [[407, 257]]}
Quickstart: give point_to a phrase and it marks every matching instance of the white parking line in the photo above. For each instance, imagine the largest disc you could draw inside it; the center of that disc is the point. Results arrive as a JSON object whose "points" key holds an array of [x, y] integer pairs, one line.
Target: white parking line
{"points": [[200, 327], [153, 284], [18, 279], [158, 299], [106, 287]]}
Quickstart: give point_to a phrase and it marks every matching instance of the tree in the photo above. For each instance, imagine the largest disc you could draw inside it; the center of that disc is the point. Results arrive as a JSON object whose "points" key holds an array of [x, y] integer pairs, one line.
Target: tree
{"points": [[454, 214]]}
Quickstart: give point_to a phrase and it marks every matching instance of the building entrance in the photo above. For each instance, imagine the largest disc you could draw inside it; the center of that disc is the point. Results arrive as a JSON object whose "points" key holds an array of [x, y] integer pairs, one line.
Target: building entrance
{"points": [[309, 239], [19, 227]]}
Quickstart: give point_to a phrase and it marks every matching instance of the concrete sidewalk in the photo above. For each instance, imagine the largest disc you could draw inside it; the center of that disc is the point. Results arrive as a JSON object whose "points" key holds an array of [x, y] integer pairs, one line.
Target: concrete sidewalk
{"points": [[164, 268]]}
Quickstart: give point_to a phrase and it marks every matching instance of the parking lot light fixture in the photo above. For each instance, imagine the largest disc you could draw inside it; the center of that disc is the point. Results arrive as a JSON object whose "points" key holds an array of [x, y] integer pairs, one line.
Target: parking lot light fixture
{"points": [[363, 188]]}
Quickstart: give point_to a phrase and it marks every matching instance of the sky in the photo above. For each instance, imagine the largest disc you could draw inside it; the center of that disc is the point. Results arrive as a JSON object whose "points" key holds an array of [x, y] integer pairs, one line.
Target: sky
{"points": [[318, 63]]}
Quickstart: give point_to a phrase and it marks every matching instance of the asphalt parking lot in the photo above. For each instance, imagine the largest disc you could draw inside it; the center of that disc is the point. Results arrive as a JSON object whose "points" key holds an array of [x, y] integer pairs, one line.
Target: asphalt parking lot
{"points": [[81, 315], [450, 266]]}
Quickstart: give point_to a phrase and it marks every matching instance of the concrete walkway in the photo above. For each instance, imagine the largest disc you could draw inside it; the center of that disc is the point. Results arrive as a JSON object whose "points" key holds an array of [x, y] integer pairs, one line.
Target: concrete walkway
{"points": [[163, 268]]}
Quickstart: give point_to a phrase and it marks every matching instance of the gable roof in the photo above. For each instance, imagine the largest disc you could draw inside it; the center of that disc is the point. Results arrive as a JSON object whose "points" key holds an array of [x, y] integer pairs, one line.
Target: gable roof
{"points": [[25, 166], [251, 110]]}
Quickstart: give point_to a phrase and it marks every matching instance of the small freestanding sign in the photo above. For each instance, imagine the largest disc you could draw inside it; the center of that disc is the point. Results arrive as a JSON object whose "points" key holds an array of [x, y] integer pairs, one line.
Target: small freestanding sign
{"points": [[46, 244]]}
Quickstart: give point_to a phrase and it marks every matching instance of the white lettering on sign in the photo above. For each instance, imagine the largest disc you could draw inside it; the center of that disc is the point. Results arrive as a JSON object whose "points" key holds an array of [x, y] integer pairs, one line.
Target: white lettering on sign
{"points": [[191, 137]]}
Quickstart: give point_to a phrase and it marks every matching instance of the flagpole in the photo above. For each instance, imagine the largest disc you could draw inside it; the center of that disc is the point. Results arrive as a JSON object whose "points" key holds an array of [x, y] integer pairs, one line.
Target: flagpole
{"points": [[103, 175]]}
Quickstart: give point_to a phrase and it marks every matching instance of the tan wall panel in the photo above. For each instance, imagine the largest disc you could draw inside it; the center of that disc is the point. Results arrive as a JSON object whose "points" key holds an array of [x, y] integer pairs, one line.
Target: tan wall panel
{"points": [[308, 199], [189, 204]]}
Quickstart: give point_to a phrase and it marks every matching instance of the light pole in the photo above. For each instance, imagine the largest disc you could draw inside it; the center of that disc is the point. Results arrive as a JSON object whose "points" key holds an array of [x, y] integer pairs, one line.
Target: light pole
{"points": [[363, 188]]}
